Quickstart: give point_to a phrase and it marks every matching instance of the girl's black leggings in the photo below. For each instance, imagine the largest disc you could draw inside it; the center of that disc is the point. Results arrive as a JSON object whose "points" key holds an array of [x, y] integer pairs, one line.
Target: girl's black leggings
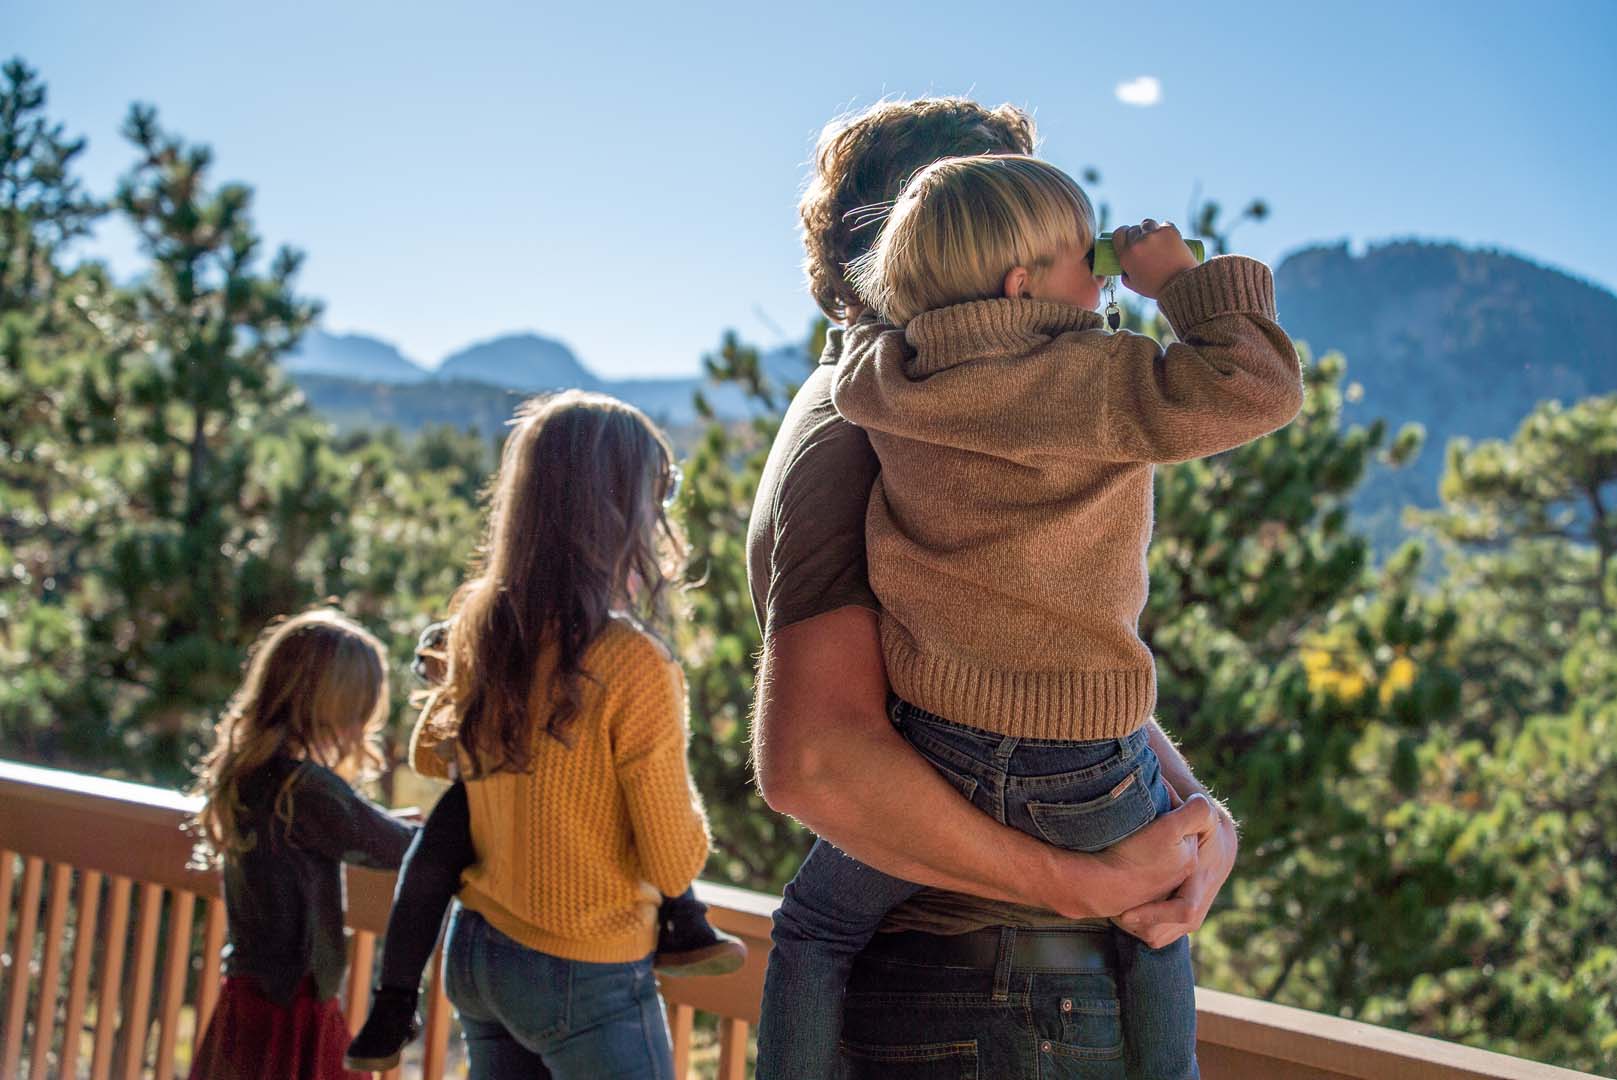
{"points": [[428, 880]]}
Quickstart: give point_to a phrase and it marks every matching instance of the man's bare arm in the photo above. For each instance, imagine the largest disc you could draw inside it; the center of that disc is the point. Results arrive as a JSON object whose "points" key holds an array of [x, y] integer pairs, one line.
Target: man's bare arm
{"points": [[827, 755], [1182, 913], [1175, 769]]}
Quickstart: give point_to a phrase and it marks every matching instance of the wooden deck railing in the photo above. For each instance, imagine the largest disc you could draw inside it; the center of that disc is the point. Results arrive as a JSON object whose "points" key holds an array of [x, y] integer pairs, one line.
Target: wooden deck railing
{"points": [[98, 857]]}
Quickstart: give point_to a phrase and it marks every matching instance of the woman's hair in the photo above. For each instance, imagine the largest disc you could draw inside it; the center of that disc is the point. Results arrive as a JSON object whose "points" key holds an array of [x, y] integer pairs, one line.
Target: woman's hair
{"points": [[864, 158], [316, 688], [962, 224], [577, 529]]}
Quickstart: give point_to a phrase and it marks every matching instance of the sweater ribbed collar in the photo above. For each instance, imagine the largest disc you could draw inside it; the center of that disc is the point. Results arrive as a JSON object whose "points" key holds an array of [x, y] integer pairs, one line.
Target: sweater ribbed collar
{"points": [[988, 329], [831, 354]]}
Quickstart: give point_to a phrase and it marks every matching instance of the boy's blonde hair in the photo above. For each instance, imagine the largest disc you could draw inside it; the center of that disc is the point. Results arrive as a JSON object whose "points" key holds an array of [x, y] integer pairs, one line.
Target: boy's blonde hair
{"points": [[315, 688], [962, 224], [865, 157]]}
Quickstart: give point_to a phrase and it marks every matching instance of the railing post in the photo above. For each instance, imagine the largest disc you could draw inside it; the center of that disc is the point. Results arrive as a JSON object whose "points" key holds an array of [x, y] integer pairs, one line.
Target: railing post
{"points": [[22, 959], [732, 1049], [213, 941], [361, 957], [112, 970], [177, 966], [681, 1028], [8, 877], [135, 1028], [84, 938], [50, 970]]}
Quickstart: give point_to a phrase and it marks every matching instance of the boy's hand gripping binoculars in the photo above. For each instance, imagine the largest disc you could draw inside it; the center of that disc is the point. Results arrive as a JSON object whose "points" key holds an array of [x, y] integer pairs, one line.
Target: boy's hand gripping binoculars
{"points": [[1106, 264]]}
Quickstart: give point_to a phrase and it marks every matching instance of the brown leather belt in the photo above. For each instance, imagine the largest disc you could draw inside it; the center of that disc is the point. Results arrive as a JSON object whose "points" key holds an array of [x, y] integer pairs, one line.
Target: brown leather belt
{"points": [[1079, 949]]}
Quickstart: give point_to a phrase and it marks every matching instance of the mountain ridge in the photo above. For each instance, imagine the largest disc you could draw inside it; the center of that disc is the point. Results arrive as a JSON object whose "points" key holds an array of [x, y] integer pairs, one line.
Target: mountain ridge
{"points": [[479, 386], [1464, 341]]}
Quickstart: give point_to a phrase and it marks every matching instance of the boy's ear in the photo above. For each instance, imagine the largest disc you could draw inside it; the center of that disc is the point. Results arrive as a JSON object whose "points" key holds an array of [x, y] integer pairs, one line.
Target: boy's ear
{"points": [[1016, 284]]}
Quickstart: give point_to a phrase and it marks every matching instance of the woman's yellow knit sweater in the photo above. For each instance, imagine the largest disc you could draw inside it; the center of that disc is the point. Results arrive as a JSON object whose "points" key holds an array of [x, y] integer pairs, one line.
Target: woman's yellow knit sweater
{"points": [[575, 854]]}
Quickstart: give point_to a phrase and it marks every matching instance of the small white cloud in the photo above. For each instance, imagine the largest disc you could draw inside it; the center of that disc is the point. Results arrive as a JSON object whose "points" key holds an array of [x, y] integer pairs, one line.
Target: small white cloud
{"points": [[1146, 90]]}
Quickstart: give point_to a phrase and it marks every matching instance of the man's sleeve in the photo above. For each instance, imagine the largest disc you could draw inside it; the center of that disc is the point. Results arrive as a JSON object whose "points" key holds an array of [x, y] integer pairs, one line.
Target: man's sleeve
{"points": [[816, 562]]}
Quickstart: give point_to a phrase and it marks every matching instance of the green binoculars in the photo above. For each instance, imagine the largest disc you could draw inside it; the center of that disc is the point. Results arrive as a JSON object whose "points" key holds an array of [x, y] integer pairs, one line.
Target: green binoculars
{"points": [[1106, 264]]}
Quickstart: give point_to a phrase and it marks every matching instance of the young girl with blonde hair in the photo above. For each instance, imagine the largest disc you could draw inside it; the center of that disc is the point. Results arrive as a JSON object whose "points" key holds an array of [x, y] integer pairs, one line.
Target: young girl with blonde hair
{"points": [[1006, 536], [566, 717], [279, 813]]}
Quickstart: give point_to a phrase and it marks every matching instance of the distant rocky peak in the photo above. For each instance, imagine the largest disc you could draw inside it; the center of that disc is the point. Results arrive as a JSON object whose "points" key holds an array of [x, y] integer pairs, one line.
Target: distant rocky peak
{"points": [[353, 356], [525, 362]]}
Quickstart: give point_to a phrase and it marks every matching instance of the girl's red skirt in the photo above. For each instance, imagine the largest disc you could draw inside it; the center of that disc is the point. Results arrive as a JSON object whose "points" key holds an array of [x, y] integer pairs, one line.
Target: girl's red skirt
{"points": [[250, 1036]]}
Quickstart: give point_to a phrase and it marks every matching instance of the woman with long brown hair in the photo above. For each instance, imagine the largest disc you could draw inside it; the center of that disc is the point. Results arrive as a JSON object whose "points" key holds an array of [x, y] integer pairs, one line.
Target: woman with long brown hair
{"points": [[566, 716]]}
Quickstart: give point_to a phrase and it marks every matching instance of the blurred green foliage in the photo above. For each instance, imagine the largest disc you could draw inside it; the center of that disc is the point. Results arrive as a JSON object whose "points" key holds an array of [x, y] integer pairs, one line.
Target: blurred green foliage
{"points": [[164, 491]]}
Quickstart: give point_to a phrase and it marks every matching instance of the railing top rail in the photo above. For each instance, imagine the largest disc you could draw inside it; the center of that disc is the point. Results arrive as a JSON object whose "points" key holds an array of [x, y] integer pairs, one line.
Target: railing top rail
{"points": [[1352, 1047], [42, 784]]}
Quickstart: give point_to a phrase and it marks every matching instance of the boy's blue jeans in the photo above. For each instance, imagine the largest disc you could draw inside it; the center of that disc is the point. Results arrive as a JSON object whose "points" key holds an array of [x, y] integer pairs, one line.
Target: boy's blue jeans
{"points": [[1083, 796]]}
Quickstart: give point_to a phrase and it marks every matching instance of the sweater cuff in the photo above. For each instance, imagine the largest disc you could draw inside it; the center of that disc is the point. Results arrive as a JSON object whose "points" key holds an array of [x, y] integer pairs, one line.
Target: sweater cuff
{"points": [[1226, 285]]}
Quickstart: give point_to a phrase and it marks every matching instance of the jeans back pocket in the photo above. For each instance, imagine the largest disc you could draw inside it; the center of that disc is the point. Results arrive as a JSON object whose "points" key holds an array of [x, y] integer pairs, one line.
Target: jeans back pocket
{"points": [[930, 1061], [1097, 823]]}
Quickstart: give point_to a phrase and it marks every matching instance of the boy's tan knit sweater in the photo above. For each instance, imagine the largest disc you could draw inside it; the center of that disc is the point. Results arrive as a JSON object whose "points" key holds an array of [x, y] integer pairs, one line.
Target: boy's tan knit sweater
{"points": [[574, 855], [1007, 532]]}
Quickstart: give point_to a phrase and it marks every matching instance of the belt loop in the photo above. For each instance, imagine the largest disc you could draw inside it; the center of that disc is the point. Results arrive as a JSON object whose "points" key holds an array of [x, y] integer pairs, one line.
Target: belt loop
{"points": [[1002, 964]]}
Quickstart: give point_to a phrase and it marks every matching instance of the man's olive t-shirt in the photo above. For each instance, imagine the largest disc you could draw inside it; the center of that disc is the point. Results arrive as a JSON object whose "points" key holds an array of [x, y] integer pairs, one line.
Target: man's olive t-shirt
{"points": [[806, 557], [806, 539]]}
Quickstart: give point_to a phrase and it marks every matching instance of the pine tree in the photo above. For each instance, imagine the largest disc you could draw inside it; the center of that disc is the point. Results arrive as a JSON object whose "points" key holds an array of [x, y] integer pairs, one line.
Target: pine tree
{"points": [[43, 205], [1532, 528], [221, 500], [164, 490], [1300, 680], [1521, 799], [720, 641], [62, 349]]}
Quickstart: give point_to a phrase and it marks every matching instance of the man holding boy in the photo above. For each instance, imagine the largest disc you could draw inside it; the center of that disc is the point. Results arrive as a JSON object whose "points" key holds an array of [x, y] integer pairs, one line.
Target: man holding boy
{"points": [[999, 903]]}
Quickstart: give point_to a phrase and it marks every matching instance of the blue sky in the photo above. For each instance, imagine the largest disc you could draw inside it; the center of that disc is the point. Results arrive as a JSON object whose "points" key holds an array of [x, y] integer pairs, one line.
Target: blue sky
{"points": [[623, 176]]}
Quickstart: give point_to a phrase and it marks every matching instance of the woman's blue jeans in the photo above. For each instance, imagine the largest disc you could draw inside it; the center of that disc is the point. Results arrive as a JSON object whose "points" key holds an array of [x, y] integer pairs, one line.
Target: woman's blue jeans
{"points": [[526, 1014]]}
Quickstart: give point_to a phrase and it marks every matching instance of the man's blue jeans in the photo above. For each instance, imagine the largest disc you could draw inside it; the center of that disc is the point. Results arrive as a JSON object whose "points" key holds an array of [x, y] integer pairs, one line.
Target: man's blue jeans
{"points": [[532, 1015], [1082, 796], [910, 1020]]}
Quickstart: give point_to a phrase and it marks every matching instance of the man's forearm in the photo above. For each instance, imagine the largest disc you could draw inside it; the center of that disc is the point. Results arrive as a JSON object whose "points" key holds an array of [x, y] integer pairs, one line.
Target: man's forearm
{"points": [[1164, 921], [1176, 770], [828, 756], [874, 797]]}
